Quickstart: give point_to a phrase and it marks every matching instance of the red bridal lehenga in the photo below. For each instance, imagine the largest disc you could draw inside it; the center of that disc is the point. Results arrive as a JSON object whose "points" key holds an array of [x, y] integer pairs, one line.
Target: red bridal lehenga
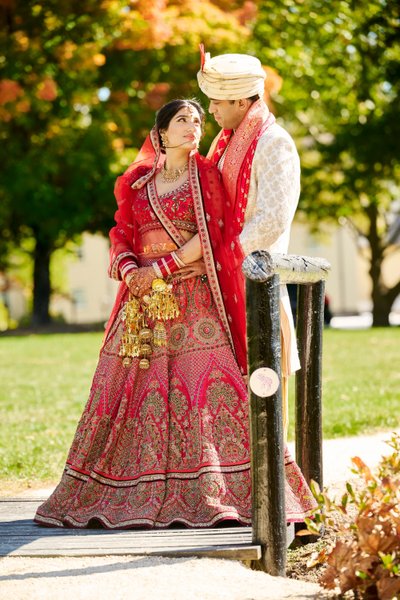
{"points": [[169, 444]]}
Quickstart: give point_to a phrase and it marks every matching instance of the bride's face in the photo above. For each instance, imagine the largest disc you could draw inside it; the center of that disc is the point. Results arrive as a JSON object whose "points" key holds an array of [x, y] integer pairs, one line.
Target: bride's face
{"points": [[184, 129]]}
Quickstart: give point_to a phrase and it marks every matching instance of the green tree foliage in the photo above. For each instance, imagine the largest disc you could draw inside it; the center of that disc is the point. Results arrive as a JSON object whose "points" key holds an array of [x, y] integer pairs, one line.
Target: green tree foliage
{"points": [[79, 85], [56, 146], [340, 64]]}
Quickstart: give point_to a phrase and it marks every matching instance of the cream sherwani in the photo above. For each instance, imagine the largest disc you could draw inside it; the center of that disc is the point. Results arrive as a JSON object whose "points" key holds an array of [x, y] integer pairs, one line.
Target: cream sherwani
{"points": [[273, 197], [272, 200], [274, 178]]}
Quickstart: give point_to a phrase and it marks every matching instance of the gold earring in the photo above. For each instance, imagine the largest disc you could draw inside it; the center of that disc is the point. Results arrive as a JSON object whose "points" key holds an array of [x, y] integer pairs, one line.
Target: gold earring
{"points": [[164, 139]]}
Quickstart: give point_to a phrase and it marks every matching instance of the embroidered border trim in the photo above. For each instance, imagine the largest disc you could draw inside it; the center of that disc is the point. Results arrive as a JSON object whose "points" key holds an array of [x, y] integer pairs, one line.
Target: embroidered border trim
{"points": [[151, 477], [206, 245], [227, 514]]}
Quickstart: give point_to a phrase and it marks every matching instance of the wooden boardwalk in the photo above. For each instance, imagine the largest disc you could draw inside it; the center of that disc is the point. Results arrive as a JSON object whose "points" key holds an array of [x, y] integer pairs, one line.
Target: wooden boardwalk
{"points": [[20, 536]]}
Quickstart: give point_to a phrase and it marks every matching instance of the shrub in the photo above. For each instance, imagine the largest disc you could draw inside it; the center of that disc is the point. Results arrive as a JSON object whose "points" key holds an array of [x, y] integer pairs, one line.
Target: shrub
{"points": [[365, 555]]}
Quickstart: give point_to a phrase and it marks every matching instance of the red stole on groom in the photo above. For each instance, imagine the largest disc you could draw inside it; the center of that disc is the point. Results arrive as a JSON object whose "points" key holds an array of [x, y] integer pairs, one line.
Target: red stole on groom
{"points": [[239, 148]]}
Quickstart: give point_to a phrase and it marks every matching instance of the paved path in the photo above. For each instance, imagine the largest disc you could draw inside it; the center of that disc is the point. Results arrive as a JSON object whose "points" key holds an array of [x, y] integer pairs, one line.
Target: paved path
{"points": [[158, 578], [337, 454]]}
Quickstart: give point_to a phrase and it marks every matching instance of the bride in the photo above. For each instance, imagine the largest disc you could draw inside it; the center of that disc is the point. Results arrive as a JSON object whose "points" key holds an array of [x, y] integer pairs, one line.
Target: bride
{"points": [[164, 437]]}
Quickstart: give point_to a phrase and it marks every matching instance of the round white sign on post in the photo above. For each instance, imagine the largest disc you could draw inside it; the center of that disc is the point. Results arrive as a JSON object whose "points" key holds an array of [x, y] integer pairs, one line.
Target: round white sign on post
{"points": [[264, 382]]}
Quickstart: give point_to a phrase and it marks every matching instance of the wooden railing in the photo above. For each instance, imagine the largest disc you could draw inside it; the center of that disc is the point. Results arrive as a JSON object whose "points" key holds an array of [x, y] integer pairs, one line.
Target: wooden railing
{"points": [[264, 274]]}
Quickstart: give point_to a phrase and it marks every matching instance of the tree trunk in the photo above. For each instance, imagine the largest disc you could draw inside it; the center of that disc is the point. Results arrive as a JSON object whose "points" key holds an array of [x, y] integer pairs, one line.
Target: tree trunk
{"points": [[380, 300], [41, 282], [380, 310]]}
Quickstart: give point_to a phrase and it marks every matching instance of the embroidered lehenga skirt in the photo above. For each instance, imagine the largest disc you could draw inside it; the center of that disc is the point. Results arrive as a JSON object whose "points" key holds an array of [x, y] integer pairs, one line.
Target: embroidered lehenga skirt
{"points": [[169, 444]]}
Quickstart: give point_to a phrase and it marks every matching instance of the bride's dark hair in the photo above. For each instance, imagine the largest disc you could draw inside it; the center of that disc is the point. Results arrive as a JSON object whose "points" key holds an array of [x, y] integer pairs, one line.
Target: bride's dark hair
{"points": [[169, 110]]}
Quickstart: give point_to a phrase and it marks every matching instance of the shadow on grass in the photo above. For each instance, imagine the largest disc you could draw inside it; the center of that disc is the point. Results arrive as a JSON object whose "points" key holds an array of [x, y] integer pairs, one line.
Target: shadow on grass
{"points": [[54, 328]]}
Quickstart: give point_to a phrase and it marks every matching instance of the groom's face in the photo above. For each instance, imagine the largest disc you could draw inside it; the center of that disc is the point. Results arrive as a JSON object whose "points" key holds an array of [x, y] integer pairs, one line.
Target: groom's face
{"points": [[228, 113]]}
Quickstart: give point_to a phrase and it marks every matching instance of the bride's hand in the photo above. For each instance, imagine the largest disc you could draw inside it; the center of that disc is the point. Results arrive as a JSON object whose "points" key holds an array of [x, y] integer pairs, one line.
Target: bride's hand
{"points": [[140, 281], [194, 269]]}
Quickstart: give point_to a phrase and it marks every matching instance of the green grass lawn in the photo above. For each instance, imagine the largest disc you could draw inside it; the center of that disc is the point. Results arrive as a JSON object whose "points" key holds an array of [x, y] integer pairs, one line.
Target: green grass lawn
{"points": [[45, 381], [361, 382], [45, 384]]}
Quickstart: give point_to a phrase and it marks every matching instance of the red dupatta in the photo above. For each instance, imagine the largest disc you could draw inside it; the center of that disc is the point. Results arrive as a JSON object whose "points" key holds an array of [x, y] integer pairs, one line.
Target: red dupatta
{"points": [[240, 147], [227, 283], [209, 203]]}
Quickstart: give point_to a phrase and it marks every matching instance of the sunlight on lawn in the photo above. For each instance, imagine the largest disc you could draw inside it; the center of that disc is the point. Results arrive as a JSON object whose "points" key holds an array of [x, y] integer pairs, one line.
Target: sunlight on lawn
{"points": [[46, 381]]}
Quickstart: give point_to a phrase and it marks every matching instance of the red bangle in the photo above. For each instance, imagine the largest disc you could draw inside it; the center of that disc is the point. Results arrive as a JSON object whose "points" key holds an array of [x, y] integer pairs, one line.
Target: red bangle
{"points": [[167, 265], [126, 265]]}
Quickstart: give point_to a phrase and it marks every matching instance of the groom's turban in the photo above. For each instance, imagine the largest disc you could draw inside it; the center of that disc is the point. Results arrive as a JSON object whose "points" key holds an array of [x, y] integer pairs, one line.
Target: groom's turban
{"points": [[231, 76]]}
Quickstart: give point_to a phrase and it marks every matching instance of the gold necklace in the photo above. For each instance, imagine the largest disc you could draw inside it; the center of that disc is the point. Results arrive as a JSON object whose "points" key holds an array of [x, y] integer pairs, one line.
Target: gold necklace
{"points": [[171, 175]]}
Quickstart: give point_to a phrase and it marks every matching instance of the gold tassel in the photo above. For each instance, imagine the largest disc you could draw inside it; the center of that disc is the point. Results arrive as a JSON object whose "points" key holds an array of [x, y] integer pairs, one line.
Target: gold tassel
{"points": [[159, 335], [133, 319], [161, 305], [145, 351], [145, 335]]}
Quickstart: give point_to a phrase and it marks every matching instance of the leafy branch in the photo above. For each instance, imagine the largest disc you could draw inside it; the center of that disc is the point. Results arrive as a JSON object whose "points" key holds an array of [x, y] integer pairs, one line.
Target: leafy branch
{"points": [[365, 521]]}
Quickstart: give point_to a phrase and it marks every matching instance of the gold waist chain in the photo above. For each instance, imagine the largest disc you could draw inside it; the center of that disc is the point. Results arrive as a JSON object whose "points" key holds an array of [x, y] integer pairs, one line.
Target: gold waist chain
{"points": [[138, 339], [160, 247]]}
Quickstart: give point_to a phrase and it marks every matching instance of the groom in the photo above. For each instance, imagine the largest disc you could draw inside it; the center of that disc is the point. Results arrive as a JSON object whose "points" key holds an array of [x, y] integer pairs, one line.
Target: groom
{"points": [[260, 169]]}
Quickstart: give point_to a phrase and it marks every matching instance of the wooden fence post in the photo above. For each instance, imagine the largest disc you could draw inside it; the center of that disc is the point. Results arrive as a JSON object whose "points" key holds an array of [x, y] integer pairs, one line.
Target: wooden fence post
{"points": [[264, 272], [267, 444], [308, 404]]}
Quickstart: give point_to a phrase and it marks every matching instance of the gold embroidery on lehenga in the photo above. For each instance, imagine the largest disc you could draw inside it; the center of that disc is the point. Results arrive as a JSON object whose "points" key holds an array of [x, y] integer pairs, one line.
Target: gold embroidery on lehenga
{"points": [[170, 444]]}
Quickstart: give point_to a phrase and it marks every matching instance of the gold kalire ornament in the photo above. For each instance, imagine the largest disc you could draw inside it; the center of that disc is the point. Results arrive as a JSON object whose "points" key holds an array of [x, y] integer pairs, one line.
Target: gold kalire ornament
{"points": [[138, 339]]}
